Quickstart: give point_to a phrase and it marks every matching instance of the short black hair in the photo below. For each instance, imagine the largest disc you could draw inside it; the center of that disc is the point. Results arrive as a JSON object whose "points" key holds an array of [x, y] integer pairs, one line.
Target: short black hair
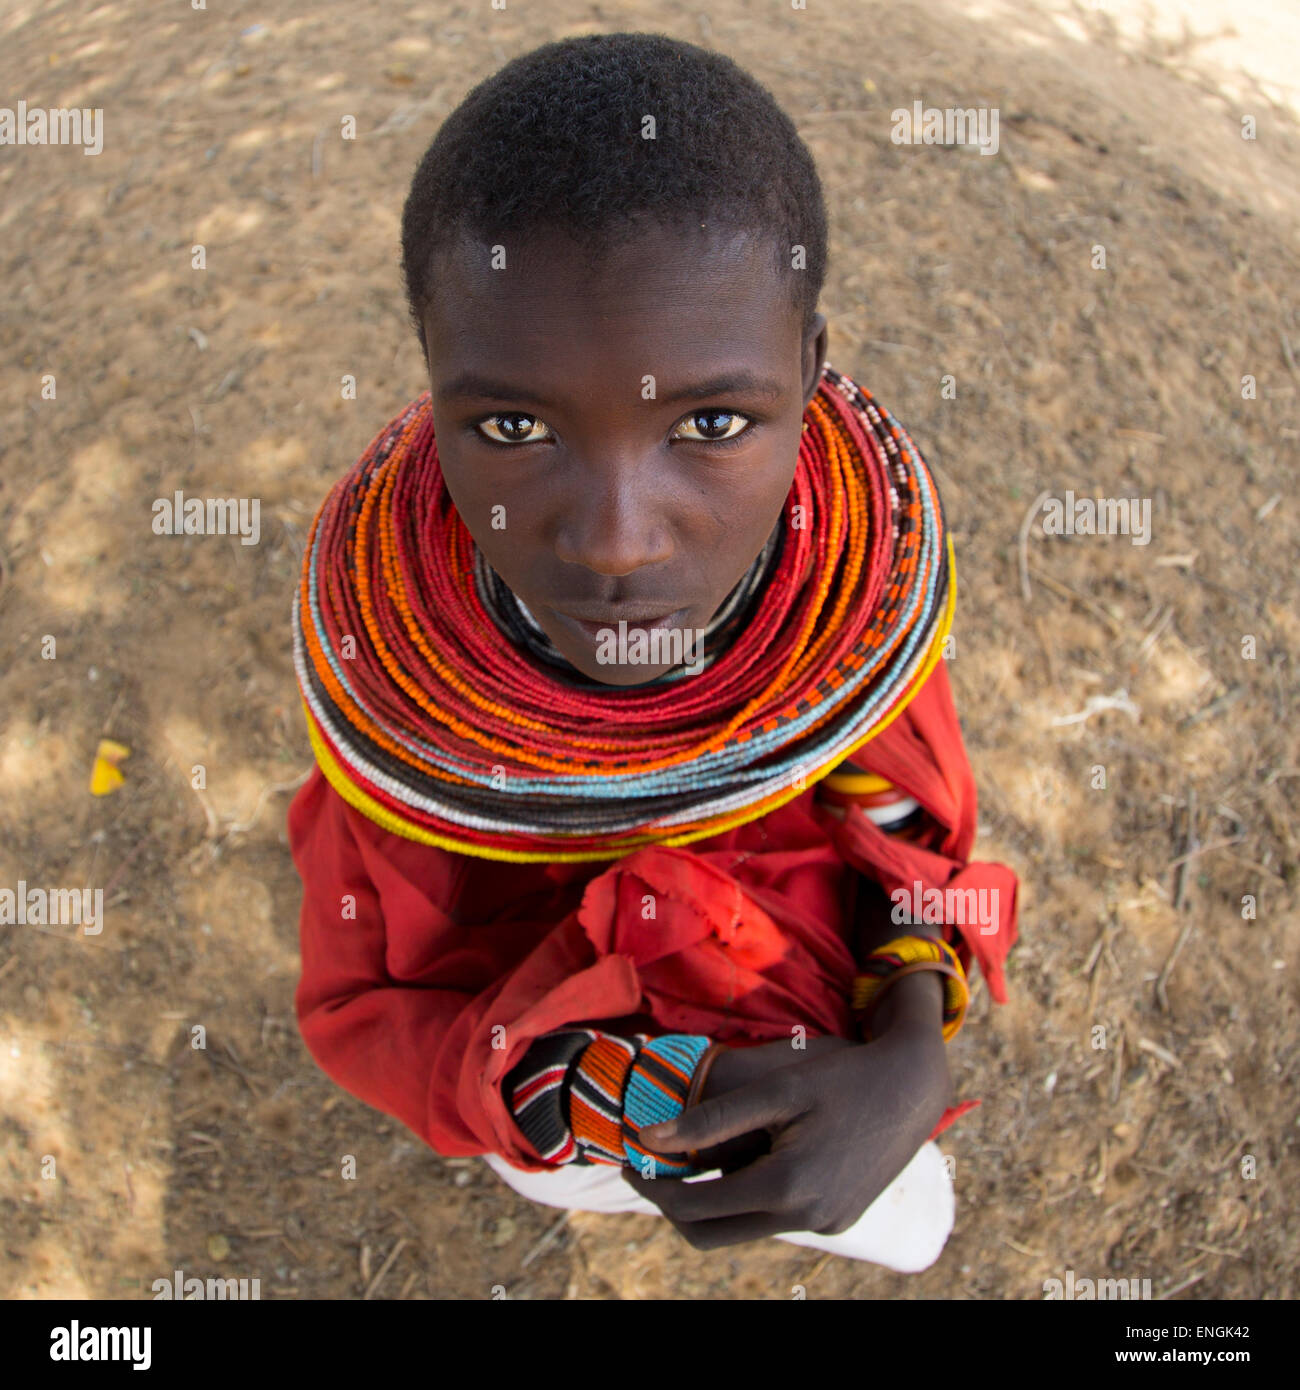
{"points": [[554, 141]]}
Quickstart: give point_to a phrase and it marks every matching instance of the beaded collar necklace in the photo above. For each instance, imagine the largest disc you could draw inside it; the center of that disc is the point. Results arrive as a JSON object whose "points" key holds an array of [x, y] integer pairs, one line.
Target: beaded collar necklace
{"points": [[428, 716]]}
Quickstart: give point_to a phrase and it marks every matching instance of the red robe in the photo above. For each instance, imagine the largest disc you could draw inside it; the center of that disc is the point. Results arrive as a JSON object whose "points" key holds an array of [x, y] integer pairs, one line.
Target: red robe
{"points": [[401, 1000]]}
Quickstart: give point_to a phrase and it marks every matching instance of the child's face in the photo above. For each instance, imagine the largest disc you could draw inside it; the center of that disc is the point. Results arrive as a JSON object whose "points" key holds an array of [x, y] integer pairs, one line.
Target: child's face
{"points": [[615, 505]]}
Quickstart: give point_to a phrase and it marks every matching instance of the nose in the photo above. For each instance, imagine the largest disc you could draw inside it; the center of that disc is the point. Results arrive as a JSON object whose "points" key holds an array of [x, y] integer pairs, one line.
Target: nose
{"points": [[610, 526]]}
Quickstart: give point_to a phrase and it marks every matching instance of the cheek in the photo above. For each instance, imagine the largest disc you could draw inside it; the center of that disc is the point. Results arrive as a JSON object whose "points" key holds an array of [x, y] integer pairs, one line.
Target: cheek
{"points": [[497, 522], [760, 492], [469, 490]]}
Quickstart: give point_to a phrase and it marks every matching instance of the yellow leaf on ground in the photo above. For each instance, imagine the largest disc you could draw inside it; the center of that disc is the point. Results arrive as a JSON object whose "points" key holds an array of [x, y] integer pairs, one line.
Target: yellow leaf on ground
{"points": [[104, 776]]}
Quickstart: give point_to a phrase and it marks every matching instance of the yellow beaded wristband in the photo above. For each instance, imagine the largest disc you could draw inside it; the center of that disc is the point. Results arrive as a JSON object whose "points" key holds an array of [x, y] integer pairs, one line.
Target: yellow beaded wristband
{"points": [[857, 783], [923, 952]]}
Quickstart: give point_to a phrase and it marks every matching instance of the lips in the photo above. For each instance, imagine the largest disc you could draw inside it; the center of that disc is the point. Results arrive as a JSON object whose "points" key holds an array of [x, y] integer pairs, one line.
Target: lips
{"points": [[636, 619]]}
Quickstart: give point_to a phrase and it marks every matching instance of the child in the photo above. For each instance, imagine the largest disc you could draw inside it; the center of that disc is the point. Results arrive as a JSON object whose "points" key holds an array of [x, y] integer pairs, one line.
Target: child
{"points": [[627, 693]]}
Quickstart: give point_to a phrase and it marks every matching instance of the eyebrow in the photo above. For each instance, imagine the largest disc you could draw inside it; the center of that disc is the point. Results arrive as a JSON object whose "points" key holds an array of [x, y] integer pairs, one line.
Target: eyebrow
{"points": [[475, 386]]}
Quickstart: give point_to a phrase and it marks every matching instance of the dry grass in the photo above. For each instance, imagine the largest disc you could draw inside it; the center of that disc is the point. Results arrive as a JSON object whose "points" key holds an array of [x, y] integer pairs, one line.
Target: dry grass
{"points": [[1125, 1160]]}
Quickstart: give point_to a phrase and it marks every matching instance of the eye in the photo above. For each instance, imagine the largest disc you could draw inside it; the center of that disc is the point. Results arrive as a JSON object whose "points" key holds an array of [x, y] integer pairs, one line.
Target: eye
{"points": [[714, 426], [514, 428]]}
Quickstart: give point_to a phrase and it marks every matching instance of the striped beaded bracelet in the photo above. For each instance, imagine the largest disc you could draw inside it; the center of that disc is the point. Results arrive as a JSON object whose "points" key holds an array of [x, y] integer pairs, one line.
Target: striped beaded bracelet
{"points": [[906, 955], [597, 1082], [656, 1091]]}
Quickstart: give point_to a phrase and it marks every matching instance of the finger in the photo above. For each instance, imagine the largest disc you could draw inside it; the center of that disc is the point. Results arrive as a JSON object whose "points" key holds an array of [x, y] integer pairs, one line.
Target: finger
{"points": [[760, 1187], [764, 1103], [735, 1153]]}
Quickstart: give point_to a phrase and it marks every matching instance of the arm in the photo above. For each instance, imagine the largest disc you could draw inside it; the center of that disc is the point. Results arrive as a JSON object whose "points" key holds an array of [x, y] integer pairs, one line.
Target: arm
{"points": [[917, 1001], [427, 977], [841, 1131], [376, 1038]]}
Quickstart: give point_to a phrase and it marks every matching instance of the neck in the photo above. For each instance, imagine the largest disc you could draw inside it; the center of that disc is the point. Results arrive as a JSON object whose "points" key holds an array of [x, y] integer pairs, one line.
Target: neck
{"points": [[512, 616]]}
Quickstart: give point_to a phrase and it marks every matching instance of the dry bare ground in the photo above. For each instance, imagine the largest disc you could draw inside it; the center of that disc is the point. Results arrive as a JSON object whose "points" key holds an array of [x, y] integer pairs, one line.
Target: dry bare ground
{"points": [[1165, 1153]]}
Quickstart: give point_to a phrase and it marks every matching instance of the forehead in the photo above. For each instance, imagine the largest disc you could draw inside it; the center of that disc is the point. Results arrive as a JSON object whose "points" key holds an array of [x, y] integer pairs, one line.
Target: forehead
{"points": [[662, 301]]}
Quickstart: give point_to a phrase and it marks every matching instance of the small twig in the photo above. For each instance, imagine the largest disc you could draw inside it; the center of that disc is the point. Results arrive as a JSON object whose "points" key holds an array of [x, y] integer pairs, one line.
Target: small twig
{"points": [[1215, 707], [233, 1063], [1167, 1057], [1189, 845], [315, 152], [1026, 526], [123, 867], [397, 1249], [227, 383], [1161, 997], [1061, 1196], [1022, 1249], [239, 827], [1205, 849], [1259, 868], [1099, 704], [1153, 636], [1094, 955], [1229, 1157], [546, 1241], [817, 1268], [1110, 956], [1151, 1168], [1047, 649], [299, 1256], [112, 714], [234, 1057], [1186, 1284], [1098, 1184], [1064, 591], [214, 825]]}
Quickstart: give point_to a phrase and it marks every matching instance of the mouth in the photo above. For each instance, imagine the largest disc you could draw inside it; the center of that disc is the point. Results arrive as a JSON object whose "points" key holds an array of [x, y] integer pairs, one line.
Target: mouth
{"points": [[635, 621]]}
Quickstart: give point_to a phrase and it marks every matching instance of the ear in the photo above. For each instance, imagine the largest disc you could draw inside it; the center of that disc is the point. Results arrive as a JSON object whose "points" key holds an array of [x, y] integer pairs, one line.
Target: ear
{"points": [[814, 357]]}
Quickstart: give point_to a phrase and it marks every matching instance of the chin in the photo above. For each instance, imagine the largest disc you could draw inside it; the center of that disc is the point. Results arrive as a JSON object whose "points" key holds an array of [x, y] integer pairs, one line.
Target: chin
{"points": [[617, 675]]}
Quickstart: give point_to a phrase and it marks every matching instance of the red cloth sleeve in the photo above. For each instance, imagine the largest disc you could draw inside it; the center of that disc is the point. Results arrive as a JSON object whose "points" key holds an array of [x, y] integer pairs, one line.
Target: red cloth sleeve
{"points": [[923, 752], [422, 992], [375, 1036]]}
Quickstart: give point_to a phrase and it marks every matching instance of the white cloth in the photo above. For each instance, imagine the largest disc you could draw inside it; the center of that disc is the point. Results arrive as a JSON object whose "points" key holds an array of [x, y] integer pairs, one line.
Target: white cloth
{"points": [[904, 1229]]}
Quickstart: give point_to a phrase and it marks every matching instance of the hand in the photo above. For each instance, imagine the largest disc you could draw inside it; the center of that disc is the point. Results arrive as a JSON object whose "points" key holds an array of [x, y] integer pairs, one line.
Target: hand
{"points": [[738, 1066], [840, 1123]]}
